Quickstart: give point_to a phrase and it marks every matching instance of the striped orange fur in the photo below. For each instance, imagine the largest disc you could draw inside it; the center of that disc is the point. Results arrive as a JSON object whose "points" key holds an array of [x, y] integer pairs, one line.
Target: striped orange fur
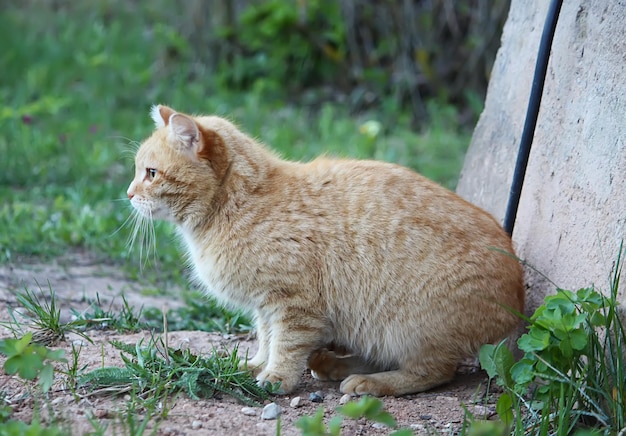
{"points": [[364, 271]]}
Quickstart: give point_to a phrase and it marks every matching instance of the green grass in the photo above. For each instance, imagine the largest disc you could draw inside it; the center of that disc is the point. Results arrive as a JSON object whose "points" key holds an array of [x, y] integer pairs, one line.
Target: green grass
{"points": [[75, 93]]}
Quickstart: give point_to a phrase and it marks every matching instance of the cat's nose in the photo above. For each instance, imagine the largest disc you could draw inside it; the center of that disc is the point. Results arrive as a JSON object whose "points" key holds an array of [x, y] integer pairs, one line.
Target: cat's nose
{"points": [[130, 195]]}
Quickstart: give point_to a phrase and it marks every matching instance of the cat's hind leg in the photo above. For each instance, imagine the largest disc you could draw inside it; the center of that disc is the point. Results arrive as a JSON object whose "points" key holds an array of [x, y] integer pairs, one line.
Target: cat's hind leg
{"points": [[326, 365], [406, 380]]}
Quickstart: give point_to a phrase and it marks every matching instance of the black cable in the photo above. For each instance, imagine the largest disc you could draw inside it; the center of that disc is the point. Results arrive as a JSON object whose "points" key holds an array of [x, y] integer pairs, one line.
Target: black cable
{"points": [[531, 114]]}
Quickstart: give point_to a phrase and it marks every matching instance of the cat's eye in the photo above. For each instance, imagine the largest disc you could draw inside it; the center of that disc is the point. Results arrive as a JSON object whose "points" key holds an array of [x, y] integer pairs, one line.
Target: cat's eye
{"points": [[151, 173]]}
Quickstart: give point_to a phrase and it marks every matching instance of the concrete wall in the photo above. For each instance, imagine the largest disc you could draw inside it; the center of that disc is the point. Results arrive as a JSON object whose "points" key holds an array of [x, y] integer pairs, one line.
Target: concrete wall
{"points": [[572, 214]]}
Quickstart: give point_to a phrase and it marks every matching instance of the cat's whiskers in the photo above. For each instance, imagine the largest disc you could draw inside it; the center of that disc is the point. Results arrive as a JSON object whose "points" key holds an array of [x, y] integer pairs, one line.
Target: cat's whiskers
{"points": [[124, 224], [143, 233]]}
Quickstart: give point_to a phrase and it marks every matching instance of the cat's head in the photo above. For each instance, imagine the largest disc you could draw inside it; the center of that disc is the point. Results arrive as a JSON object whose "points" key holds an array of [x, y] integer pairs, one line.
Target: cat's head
{"points": [[179, 169]]}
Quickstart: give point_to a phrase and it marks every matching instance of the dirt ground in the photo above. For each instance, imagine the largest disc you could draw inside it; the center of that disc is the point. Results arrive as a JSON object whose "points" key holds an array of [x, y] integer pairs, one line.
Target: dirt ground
{"points": [[78, 278]]}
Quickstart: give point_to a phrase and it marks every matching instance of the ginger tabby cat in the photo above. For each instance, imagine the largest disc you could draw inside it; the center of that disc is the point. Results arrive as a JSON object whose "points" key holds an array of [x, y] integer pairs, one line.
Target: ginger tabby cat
{"points": [[370, 258]]}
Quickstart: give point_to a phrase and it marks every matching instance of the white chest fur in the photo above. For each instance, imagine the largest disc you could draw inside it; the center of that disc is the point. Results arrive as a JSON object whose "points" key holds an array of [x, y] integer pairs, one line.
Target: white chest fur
{"points": [[219, 274]]}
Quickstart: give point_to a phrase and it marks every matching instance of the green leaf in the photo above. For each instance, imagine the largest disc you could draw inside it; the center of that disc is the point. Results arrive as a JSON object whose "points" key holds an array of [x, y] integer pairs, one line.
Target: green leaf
{"points": [[402, 432], [535, 340], [487, 359], [46, 377], [579, 339], [487, 428], [497, 361], [334, 425], [12, 365], [11, 347], [383, 418], [56, 355], [522, 371], [312, 425], [504, 408]]}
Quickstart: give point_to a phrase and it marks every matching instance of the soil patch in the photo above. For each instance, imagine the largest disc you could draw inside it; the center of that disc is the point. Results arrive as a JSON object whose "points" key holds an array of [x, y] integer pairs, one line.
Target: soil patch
{"points": [[77, 280]]}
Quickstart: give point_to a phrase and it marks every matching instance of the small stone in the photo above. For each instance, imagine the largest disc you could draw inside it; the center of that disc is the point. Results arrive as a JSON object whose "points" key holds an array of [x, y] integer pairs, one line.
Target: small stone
{"points": [[250, 411], [425, 417], [345, 398], [379, 425], [196, 425], [100, 413], [271, 411], [316, 397], [56, 401], [482, 412], [296, 402]]}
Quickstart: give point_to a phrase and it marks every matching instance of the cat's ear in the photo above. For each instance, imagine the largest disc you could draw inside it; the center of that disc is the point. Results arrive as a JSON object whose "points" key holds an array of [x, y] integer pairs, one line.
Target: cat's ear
{"points": [[161, 115], [184, 130]]}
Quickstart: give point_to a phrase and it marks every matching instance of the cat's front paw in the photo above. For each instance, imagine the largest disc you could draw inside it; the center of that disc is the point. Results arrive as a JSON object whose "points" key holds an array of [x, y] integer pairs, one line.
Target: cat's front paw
{"points": [[280, 383]]}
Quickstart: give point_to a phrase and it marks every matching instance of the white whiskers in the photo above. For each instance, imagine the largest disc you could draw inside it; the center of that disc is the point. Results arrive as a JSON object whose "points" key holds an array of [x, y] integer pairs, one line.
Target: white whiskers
{"points": [[143, 232]]}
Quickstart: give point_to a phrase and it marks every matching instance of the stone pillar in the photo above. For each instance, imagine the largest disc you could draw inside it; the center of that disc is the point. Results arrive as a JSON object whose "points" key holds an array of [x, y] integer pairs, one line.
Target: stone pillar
{"points": [[572, 214]]}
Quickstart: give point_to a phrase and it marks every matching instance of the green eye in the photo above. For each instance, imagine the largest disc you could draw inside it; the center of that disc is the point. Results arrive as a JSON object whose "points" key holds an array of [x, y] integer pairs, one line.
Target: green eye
{"points": [[151, 172]]}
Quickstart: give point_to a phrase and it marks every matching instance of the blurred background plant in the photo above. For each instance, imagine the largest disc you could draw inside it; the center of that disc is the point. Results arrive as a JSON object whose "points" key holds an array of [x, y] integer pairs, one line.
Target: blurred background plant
{"points": [[397, 81]]}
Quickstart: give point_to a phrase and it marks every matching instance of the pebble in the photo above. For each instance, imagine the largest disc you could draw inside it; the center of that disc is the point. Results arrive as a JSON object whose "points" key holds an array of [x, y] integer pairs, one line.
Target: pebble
{"points": [[250, 411], [196, 425], [271, 411], [345, 398], [482, 412], [100, 413], [296, 402], [57, 401], [379, 425], [425, 417], [316, 397]]}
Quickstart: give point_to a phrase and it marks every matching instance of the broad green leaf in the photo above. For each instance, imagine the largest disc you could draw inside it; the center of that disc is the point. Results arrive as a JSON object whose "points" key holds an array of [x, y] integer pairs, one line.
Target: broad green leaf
{"points": [[30, 365], [12, 365], [497, 360], [504, 408], [11, 347], [522, 371], [487, 359], [566, 348], [56, 355], [383, 418], [402, 432], [334, 426], [535, 340], [22, 343], [46, 377], [487, 428], [579, 339]]}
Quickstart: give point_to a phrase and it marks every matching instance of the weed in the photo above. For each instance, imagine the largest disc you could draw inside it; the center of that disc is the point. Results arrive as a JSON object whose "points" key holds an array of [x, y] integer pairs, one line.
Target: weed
{"points": [[30, 360], [44, 316], [95, 317], [200, 314], [157, 371], [34, 428], [572, 375]]}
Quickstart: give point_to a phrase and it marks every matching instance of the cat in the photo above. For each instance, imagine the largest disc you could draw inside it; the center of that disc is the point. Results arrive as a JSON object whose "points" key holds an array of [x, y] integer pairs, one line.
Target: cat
{"points": [[365, 272]]}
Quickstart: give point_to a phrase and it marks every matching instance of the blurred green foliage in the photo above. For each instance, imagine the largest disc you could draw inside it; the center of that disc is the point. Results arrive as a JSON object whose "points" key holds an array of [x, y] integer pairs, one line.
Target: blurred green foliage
{"points": [[78, 79]]}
